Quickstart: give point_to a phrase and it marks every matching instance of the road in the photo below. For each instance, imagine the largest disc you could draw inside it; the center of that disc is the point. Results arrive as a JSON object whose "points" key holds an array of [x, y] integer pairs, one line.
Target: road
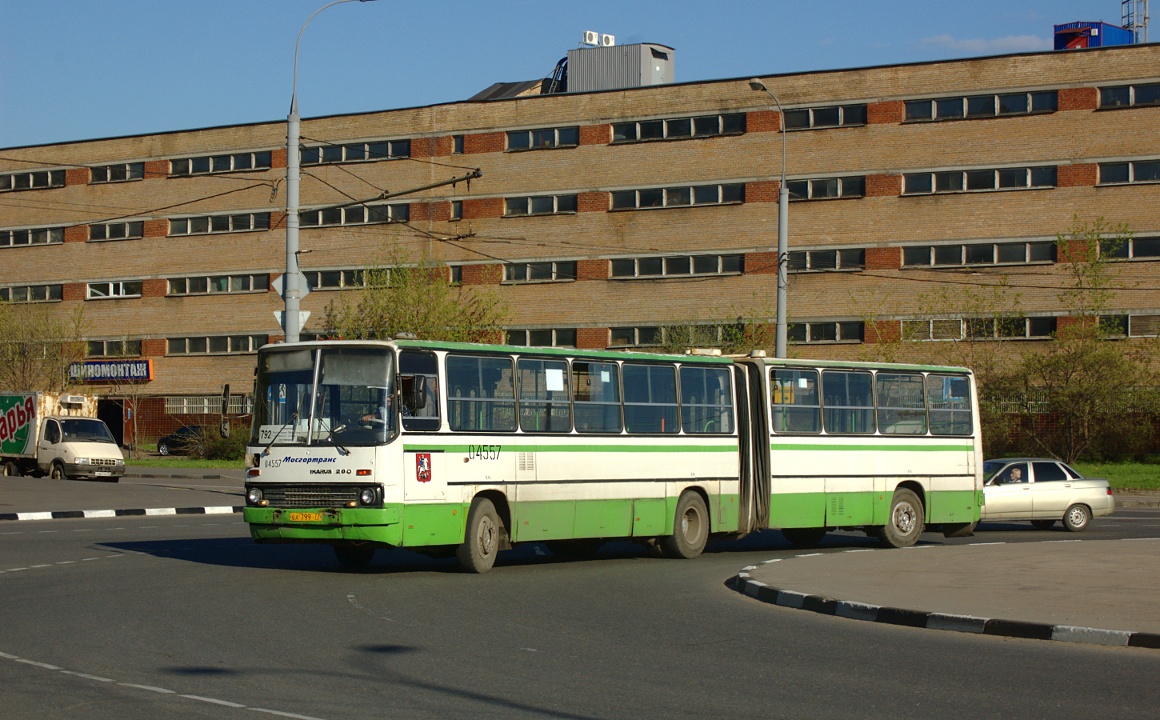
{"points": [[183, 617]]}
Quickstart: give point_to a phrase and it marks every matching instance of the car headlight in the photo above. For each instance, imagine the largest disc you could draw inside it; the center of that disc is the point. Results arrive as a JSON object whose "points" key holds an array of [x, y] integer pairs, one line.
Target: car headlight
{"points": [[81, 461]]}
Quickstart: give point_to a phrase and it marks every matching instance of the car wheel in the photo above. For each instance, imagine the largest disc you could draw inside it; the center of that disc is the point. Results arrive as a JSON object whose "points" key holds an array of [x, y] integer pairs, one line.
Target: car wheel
{"points": [[163, 448], [906, 522], [1043, 524], [1077, 518], [57, 471]]}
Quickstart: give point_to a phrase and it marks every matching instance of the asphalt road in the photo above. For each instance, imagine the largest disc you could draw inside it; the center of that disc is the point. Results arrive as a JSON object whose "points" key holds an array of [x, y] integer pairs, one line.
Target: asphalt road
{"points": [[183, 617]]}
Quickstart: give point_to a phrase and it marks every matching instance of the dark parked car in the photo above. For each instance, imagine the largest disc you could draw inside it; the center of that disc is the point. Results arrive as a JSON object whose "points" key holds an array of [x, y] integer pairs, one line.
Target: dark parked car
{"points": [[181, 440]]}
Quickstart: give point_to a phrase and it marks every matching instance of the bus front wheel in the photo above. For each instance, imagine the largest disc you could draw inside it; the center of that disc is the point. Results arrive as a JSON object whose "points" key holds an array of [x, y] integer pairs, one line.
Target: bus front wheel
{"points": [[354, 556], [906, 522], [690, 528], [481, 543]]}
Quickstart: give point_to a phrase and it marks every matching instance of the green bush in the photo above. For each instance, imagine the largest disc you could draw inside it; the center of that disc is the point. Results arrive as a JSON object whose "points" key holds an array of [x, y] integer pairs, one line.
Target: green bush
{"points": [[216, 447]]}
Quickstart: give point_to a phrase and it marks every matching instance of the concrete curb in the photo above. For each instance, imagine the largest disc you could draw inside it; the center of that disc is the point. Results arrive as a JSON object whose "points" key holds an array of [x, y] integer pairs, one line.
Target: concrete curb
{"points": [[73, 514], [749, 587]]}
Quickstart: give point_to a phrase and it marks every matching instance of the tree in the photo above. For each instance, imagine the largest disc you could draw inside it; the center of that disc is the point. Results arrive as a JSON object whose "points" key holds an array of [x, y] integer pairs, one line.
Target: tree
{"points": [[416, 298], [37, 345], [1086, 394]]}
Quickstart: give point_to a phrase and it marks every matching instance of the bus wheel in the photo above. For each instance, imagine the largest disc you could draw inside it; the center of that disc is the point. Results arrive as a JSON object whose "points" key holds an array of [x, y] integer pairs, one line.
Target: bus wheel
{"points": [[906, 520], [690, 528], [804, 537], [481, 543], [354, 556]]}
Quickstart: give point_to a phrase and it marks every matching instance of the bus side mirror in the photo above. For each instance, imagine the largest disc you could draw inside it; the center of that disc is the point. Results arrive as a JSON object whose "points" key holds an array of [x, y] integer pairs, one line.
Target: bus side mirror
{"points": [[417, 399], [225, 429]]}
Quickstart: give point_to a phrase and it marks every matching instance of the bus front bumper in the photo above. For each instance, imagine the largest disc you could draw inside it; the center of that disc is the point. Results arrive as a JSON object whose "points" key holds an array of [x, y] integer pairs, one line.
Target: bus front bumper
{"points": [[325, 525]]}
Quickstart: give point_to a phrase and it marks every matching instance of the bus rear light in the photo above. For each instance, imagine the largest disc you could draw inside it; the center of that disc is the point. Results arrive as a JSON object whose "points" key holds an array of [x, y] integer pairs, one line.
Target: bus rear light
{"points": [[253, 472], [362, 473]]}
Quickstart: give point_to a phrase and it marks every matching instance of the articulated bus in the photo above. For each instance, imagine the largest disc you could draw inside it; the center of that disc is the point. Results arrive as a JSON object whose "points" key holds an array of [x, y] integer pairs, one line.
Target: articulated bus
{"points": [[467, 449]]}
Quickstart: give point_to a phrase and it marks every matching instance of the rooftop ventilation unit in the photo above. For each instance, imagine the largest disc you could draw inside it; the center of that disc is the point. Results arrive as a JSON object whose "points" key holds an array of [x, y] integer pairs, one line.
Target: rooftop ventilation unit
{"points": [[614, 67]]}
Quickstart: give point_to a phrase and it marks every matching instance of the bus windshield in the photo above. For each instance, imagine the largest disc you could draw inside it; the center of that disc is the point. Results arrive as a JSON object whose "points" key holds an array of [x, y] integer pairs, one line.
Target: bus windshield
{"points": [[340, 396]]}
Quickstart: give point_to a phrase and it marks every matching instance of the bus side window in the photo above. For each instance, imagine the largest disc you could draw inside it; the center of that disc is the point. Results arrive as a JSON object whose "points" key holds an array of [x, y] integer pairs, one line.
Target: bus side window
{"points": [[414, 364], [597, 396], [706, 403], [480, 395], [650, 399], [948, 399], [794, 401]]}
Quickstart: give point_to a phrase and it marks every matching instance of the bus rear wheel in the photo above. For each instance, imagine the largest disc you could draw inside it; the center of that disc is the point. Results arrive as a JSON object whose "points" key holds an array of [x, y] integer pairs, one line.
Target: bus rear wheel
{"points": [[354, 556], [690, 528], [804, 537], [906, 522], [482, 540]]}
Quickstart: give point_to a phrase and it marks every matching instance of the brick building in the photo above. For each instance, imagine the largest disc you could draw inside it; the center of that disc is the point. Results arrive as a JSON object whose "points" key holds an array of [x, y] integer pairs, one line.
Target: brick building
{"points": [[603, 217]]}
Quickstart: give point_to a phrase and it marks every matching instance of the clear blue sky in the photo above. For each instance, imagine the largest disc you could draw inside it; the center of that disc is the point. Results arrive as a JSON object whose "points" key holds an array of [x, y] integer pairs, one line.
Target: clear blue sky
{"points": [[80, 69]]}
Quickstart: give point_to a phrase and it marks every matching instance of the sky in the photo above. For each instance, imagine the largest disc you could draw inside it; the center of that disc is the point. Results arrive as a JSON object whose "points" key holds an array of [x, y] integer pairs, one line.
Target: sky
{"points": [[83, 69]]}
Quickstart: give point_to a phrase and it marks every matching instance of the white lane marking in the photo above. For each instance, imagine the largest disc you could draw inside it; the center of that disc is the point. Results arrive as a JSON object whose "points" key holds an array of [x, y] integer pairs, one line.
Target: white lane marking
{"points": [[215, 701], [152, 688]]}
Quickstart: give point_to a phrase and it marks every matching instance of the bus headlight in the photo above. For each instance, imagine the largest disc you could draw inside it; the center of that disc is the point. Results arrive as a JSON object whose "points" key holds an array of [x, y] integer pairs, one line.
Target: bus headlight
{"points": [[254, 496], [368, 496]]}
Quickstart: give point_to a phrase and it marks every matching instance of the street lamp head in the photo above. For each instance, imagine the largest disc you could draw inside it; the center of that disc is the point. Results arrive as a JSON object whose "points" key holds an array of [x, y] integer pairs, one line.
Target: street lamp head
{"points": [[757, 85]]}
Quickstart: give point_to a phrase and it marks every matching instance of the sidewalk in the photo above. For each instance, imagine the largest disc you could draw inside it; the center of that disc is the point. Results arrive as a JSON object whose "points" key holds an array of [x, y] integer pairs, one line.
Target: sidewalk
{"points": [[1095, 591]]}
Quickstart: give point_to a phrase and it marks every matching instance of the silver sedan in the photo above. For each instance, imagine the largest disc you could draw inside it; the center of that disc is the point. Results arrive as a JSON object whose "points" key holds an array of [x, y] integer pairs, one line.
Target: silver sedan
{"points": [[1043, 491]]}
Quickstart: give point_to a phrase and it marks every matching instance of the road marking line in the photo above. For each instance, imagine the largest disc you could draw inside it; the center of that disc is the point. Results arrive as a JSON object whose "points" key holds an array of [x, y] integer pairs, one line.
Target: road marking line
{"points": [[86, 676], [215, 701], [285, 714], [150, 688], [46, 666]]}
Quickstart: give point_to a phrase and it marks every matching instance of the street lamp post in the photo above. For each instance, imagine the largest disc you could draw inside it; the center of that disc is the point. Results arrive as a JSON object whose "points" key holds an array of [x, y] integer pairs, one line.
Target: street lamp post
{"points": [[291, 294], [782, 229]]}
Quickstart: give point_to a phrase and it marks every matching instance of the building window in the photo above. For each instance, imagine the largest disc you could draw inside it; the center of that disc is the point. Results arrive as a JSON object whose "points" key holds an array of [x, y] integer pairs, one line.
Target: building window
{"points": [[209, 224], [116, 289], [456, 210], [117, 231], [355, 215], [678, 128], [208, 405], [1008, 328], [31, 236], [958, 181], [357, 152], [559, 271], [543, 138], [826, 332], [1015, 253], [680, 196], [1138, 171], [35, 180], [825, 117], [539, 205], [981, 106], [456, 144], [549, 337], [210, 164], [121, 172], [1120, 96], [827, 188], [827, 260], [678, 266], [1137, 248], [31, 293], [215, 345], [335, 279], [648, 336], [456, 273], [113, 348], [218, 284]]}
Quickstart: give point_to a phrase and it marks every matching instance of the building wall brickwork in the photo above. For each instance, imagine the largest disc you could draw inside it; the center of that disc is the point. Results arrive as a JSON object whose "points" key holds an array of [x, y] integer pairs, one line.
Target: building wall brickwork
{"points": [[1075, 139]]}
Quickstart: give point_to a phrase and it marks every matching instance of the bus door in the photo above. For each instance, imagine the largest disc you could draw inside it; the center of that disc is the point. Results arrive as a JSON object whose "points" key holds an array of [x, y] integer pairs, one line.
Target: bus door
{"points": [[424, 461], [753, 452], [759, 437]]}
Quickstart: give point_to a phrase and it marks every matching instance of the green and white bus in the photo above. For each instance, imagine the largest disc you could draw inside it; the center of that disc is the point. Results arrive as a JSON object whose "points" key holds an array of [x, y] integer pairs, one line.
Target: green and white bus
{"points": [[469, 448]]}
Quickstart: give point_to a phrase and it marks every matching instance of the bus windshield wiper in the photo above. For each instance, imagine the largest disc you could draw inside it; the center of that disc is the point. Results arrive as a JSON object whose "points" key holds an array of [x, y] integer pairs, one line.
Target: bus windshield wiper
{"points": [[292, 423]]}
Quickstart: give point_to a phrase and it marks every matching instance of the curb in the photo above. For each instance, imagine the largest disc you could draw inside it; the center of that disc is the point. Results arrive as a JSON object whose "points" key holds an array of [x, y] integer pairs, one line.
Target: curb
{"points": [[73, 514], [745, 585]]}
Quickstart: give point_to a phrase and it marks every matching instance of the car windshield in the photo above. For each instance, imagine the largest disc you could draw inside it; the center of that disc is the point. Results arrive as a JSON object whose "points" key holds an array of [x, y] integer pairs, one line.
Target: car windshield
{"points": [[991, 467], [324, 395], [81, 430]]}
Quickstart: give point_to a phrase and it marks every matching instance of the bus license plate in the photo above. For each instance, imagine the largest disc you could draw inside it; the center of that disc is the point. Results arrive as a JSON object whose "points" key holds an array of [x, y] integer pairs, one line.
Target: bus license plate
{"points": [[305, 517]]}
